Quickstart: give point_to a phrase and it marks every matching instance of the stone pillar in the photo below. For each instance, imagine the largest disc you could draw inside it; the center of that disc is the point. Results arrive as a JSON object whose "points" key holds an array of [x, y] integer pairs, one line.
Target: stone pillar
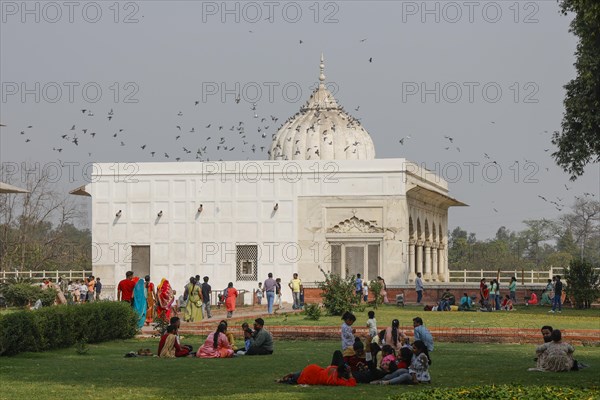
{"points": [[434, 262], [428, 261], [419, 253], [442, 268], [412, 274]]}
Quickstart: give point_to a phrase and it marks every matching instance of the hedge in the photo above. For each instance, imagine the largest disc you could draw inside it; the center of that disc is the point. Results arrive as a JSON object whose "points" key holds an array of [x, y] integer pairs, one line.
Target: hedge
{"points": [[503, 392], [62, 326]]}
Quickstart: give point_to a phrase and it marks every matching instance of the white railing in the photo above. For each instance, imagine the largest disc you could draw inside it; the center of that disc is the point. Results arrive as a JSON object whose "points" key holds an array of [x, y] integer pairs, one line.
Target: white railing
{"points": [[38, 276], [523, 276]]}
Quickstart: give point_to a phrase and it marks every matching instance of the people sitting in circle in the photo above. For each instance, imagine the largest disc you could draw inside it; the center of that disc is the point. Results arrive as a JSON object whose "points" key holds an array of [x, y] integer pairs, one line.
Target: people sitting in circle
{"points": [[260, 341], [338, 373], [216, 345]]}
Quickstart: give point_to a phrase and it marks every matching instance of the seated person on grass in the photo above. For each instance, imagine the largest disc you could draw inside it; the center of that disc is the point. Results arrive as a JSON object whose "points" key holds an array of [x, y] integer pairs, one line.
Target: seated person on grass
{"points": [[337, 374], [466, 303], [533, 300], [357, 360], [261, 341], [507, 304], [168, 346]]}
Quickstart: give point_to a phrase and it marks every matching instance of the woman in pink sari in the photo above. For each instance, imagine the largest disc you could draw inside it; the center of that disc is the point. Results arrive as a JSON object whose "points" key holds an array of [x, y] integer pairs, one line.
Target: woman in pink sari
{"points": [[164, 299], [216, 344]]}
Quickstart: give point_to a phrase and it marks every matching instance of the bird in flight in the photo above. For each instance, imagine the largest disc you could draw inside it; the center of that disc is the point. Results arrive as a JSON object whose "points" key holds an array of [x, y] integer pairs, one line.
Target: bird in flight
{"points": [[371, 59]]}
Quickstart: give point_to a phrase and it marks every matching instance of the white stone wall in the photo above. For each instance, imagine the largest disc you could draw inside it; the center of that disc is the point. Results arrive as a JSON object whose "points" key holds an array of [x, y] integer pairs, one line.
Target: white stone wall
{"points": [[238, 200]]}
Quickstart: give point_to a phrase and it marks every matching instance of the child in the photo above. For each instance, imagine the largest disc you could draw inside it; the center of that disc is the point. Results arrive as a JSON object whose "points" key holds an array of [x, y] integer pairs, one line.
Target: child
{"points": [[366, 292], [348, 333], [259, 293], [507, 304], [83, 291], [388, 362], [372, 324], [246, 328], [405, 357]]}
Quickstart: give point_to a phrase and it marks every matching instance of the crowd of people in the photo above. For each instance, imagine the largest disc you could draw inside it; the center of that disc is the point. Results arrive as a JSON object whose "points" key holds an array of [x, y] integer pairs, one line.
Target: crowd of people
{"points": [[384, 357], [219, 344], [491, 298]]}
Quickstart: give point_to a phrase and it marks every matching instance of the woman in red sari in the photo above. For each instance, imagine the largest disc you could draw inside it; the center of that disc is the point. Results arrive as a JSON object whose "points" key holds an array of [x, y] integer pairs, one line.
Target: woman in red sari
{"points": [[165, 298], [232, 295]]}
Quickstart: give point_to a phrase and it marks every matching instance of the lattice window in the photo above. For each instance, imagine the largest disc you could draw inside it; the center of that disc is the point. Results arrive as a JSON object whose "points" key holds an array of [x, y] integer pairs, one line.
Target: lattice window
{"points": [[246, 262]]}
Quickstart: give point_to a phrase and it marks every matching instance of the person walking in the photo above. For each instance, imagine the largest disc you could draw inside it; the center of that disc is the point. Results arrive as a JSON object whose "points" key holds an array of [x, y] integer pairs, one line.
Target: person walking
{"points": [[231, 296], [269, 288], [278, 294], [296, 286], [125, 288], [419, 288], [193, 297], [206, 292], [556, 303]]}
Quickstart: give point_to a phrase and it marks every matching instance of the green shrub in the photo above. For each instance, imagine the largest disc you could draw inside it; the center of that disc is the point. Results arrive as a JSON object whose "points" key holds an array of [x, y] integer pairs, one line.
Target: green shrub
{"points": [[24, 294], [339, 294], [63, 326], [502, 392], [375, 287], [312, 312]]}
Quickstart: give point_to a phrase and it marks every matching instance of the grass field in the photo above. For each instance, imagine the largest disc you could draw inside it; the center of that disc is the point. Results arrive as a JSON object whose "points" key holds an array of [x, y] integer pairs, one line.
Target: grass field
{"points": [[103, 373], [523, 317]]}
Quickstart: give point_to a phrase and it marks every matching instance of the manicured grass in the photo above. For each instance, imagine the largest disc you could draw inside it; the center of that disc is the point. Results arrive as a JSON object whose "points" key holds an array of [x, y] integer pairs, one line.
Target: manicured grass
{"points": [[523, 317], [103, 373]]}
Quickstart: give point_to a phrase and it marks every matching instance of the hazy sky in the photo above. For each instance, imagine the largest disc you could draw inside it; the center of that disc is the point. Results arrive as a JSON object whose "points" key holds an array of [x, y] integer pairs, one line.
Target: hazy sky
{"points": [[489, 75]]}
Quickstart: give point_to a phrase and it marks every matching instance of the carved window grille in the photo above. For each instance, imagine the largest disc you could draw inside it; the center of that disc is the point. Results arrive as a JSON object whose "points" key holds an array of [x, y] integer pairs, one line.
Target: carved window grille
{"points": [[246, 262]]}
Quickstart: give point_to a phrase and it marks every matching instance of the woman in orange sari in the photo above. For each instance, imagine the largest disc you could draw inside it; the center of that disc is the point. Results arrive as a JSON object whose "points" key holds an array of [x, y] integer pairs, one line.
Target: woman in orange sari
{"points": [[232, 295], [165, 298], [150, 296], [337, 374]]}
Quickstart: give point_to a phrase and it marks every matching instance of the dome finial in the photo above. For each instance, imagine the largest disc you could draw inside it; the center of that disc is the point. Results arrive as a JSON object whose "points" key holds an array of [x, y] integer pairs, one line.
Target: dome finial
{"points": [[322, 74]]}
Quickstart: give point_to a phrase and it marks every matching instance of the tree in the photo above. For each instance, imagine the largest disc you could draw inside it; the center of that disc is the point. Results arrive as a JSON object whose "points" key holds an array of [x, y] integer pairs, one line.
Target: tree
{"points": [[36, 229], [584, 223], [583, 282], [579, 142]]}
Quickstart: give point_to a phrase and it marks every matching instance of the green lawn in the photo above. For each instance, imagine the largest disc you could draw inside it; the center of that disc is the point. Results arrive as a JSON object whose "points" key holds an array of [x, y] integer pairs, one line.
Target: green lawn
{"points": [[103, 373], [523, 317]]}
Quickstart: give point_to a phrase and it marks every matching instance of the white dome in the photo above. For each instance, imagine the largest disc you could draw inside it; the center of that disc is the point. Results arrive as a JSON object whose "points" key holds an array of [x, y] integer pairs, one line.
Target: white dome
{"points": [[322, 130]]}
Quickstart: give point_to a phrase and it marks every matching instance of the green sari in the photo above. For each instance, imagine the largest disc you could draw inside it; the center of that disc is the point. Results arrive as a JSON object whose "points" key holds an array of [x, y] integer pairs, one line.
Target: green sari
{"points": [[193, 308]]}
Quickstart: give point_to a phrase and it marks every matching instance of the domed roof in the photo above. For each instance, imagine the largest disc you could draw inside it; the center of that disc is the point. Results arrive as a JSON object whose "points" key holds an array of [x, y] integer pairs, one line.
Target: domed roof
{"points": [[322, 130]]}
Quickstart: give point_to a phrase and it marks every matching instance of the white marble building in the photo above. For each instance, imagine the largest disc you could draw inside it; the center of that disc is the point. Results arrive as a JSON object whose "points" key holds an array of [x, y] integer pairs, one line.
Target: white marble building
{"points": [[321, 200]]}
